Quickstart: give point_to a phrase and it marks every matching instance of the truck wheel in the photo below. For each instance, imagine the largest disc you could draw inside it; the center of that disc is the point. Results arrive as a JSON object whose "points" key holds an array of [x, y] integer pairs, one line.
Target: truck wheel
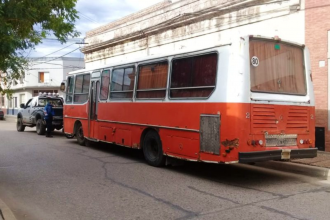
{"points": [[80, 135], [153, 150], [41, 129], [19, 125]]}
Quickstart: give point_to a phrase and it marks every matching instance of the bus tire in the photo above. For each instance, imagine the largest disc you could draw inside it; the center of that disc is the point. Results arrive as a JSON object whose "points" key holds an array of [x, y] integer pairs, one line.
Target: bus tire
{"points": [[80, 135], [153, 150], [40, 127], [19, 125]]}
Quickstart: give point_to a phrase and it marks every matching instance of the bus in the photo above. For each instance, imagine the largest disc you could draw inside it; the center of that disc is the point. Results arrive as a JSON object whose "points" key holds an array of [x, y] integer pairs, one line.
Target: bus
{"points": [[246, 101]]}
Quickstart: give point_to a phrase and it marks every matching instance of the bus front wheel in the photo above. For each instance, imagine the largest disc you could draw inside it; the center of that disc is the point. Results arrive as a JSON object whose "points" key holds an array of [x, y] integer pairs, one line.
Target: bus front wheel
{"points": [[80, 135], [152, 149]]}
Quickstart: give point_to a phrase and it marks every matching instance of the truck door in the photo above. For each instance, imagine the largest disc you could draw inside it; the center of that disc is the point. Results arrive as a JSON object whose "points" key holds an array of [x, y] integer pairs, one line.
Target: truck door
{"points": [[26, 112]]}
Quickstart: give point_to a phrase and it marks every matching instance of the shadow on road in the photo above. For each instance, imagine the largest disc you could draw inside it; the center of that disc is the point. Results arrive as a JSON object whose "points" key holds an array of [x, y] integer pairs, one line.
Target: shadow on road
{"points": [[240, 175]]}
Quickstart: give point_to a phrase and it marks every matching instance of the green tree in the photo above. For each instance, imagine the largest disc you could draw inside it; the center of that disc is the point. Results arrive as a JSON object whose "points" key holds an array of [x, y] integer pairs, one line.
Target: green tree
{"points": [[24, 24]]}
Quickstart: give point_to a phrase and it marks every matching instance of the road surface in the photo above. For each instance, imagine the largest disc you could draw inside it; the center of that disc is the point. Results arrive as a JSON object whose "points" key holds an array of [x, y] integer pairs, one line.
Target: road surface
{"points": [[43, 178]]}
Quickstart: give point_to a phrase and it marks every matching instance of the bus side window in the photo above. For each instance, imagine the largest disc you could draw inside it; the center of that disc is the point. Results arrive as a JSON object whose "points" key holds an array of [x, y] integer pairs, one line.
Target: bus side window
{"points": [[81, 89], [69, 90], [105, 82], [152, 81], [194, 77], [122, 83]]}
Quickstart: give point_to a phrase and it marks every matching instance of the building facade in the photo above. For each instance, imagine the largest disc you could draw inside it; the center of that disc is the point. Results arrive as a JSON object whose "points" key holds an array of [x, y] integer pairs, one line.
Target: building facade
{"points": [[42, 75], [190, 24], [318, 41]]}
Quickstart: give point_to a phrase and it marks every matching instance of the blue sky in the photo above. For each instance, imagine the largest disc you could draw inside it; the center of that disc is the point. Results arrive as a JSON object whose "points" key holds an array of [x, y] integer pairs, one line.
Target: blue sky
{"points": [[93, 14]]}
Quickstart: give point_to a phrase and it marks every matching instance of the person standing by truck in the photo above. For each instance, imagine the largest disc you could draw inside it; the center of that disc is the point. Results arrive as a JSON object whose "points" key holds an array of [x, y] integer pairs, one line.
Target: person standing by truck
{"points": [[49, 113]]}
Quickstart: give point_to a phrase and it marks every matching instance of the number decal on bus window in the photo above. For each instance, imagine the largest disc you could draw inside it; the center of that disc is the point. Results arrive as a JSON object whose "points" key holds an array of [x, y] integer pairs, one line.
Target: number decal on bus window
{"points": [[255, 61]]}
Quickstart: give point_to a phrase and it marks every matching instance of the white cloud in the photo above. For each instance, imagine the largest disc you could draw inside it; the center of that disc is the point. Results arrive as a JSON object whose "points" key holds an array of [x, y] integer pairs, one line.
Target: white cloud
{"points": [[93, 14]]}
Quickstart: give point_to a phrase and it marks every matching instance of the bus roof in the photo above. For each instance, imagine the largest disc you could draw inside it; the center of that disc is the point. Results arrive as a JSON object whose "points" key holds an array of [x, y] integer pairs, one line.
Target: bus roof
{"points": [[158, 56]]}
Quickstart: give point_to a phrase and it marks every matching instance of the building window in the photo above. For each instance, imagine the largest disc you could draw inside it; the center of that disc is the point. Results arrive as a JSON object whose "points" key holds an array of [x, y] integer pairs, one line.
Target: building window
{"points": [[22, 98], [81, 90], [10, 103], [41, 77], [15, 102], [105, 81], [2, 101], [193, 77], [152, 80], [122, 83]]}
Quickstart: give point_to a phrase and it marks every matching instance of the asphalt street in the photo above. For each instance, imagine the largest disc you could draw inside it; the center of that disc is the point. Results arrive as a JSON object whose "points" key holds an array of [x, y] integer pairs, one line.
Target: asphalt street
{"points": [[43, 178]]}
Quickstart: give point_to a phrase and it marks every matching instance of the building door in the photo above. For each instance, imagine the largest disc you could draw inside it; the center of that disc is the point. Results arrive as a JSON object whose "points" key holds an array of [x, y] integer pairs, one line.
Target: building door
{"points": [[320, 138]]}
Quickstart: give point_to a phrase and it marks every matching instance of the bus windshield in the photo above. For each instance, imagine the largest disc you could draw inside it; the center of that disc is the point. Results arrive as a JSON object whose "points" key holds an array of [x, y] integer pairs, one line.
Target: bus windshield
{"points": [[277, 68]]}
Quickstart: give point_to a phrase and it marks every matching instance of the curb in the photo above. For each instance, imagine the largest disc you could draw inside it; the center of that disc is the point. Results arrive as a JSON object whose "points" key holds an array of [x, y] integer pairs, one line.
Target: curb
{"points": [[5, 212], [10, 118], [319, 172]]}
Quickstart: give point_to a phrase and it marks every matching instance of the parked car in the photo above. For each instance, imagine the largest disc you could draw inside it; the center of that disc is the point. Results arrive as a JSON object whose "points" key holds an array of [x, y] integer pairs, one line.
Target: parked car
{"points": [[31, 114], [2, 115]]}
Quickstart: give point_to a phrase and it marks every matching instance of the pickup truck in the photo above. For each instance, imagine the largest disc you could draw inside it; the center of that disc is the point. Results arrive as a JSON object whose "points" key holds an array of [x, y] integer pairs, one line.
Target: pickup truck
{"points": [[31, 114]]}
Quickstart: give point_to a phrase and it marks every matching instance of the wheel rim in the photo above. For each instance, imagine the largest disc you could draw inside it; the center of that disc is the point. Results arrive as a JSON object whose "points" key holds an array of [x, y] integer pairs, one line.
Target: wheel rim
{"points": [[152, 149]]}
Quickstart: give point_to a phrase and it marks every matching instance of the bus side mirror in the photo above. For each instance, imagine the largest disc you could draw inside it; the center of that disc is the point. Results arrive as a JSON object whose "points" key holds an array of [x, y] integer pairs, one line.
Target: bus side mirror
{"points": [[62, 87]]}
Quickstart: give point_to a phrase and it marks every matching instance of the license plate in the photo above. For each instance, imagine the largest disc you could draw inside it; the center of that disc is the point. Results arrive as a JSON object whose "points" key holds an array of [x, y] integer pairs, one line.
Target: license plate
{"points": [[286, 154]]}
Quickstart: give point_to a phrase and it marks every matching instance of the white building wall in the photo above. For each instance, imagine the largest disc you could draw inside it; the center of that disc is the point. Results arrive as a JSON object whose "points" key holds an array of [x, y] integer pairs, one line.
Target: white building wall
{"points": [[55, 71], [188, 25]]}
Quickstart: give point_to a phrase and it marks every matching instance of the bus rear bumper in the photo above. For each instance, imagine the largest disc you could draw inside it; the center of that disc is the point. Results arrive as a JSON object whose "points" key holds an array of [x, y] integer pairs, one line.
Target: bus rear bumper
{"points": [[248, 157]]}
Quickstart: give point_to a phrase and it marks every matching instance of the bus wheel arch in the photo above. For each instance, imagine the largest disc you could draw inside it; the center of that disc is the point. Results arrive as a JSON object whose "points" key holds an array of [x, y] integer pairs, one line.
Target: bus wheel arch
{"points": [[152, 147], [79, 133]]}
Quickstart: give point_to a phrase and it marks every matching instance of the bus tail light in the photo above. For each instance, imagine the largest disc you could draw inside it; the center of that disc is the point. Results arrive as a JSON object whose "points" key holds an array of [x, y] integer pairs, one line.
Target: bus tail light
{"points": [[307, 141], [255, 142]]}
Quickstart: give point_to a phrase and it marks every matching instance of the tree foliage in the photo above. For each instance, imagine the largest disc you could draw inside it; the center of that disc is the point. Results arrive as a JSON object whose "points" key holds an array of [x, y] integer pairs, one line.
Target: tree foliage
{"points": [[23, 25]]}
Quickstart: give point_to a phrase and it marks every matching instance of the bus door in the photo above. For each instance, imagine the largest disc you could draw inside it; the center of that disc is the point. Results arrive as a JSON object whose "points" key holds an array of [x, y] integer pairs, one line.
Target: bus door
{"points": [[93, 109]]}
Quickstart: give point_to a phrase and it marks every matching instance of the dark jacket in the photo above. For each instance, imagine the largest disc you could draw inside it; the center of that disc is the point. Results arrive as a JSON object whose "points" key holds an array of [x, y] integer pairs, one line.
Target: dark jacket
{"points": [[48, 111]]}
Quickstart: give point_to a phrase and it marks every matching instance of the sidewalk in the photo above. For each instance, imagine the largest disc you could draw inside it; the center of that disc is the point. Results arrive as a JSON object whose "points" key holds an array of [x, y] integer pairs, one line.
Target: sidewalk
{"points": [[10, 118], [322, 160]]}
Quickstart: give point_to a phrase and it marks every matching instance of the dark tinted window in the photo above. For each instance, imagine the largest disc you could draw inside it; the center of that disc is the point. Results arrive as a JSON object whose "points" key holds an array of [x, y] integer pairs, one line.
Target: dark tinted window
{"points": [[193, 76]]}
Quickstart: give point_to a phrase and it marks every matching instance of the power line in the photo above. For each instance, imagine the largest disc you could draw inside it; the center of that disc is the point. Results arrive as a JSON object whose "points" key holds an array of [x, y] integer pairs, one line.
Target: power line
{"points": [[75, 40], [88, 18], [58, 57], [59, 50]]}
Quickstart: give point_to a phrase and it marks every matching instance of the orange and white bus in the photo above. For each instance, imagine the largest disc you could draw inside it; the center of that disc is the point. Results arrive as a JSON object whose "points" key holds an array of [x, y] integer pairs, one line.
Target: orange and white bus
{"points": [[246, 101]]}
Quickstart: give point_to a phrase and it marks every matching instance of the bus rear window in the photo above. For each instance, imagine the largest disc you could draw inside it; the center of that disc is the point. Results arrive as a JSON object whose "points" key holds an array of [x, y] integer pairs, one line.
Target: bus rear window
{"points": [[277, 68]]}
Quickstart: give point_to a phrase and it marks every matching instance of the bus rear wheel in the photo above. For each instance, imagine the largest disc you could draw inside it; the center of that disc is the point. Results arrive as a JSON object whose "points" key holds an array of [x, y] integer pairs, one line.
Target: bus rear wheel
{"points": [[80, 135], [152, 149]]}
